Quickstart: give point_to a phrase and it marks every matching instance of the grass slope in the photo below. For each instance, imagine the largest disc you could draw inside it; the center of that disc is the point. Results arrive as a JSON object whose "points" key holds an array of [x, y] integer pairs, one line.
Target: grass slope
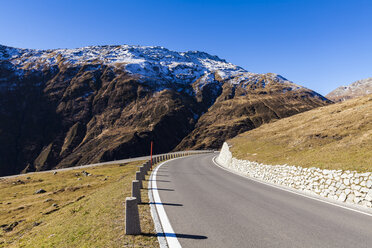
{"points": [[75, 211], [338, 136]]}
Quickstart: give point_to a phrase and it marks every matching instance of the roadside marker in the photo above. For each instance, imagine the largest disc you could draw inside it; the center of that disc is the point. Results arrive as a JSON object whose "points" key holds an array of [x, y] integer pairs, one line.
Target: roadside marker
{"points": [[151, 154]]}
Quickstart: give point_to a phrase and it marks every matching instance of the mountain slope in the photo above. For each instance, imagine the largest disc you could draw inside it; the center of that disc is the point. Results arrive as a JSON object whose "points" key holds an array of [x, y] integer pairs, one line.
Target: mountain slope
{"points": [[338, 136], [67, 107], [247, 105], [359, 88]]}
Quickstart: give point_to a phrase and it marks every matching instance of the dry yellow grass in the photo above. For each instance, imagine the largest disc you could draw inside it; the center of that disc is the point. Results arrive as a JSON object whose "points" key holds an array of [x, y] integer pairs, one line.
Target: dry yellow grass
{"points": [[85, 212], [338, 136]]}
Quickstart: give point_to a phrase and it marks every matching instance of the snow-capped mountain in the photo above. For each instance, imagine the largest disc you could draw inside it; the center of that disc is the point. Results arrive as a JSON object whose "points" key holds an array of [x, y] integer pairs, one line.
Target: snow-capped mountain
{"points": [[66, 107], [359, 88], [147, 63]]}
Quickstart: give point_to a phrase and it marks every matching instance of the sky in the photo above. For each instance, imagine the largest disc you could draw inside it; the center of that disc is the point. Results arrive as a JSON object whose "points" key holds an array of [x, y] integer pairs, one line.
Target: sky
{"points": [[320, 44]]}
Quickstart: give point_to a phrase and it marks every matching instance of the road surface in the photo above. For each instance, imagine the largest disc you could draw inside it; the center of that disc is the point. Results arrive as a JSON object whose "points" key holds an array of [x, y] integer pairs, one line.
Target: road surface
{"points": [[210, 207]]}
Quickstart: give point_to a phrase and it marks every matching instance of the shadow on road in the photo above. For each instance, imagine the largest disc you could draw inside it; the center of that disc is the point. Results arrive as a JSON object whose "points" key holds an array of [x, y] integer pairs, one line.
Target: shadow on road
{"points": [[162, 203], [178, 235]]}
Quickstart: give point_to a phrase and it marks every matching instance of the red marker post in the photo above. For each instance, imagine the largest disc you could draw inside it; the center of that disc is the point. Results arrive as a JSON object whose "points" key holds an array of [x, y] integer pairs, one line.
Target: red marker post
{"points": [[151, 155]]}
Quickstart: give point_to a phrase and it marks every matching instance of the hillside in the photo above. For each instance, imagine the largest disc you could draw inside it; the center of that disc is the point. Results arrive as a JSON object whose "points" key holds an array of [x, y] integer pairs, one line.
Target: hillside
{"points": [[67, 107], [338, 136], [357, 89], [248, 105]]}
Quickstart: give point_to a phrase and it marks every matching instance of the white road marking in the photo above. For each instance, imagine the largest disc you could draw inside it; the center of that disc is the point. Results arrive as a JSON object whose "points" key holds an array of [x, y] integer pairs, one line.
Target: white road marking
{"points": [[289, 190], [167, 227]]}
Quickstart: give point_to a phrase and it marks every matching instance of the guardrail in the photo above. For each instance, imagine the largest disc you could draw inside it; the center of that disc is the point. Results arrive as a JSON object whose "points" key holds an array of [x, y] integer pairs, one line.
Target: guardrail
{"points": [[132, 220]]}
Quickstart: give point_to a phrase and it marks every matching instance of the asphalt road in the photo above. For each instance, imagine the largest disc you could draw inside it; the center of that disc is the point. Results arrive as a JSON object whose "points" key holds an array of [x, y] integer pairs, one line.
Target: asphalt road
{"points": [[210, 207]]}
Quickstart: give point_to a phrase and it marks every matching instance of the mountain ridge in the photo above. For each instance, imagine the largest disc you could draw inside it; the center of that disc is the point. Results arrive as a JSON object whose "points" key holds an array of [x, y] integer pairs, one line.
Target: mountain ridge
{"points": [[67, 107], [203, 64], [356, 89]]}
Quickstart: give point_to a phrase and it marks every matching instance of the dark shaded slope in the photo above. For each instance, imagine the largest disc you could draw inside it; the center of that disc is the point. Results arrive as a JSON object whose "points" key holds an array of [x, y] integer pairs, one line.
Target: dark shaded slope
{"points": [[76, 115]]}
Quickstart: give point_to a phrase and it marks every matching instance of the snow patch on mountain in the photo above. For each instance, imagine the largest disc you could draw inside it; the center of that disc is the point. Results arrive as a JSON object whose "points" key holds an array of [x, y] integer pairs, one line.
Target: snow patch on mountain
{"points": [[152, 63], [9, 52]]}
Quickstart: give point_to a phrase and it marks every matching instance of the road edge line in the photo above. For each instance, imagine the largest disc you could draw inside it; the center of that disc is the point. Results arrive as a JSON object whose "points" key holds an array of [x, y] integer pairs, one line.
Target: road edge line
{"points": [[294, 191], [154, 214], [161, 221]]}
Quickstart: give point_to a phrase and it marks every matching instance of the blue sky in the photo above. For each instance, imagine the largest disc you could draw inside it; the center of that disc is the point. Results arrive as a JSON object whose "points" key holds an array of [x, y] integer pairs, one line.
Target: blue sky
{"points": [[320, 44]]}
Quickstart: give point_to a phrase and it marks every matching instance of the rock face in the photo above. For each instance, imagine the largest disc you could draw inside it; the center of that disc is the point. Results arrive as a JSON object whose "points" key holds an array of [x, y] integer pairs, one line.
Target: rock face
{"points": [[68, 107], [349, 186], [359, 88]]}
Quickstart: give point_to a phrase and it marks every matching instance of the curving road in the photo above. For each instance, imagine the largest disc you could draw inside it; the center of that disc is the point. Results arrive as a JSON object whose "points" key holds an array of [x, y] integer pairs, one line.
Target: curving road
{"points": [[210, 207]]}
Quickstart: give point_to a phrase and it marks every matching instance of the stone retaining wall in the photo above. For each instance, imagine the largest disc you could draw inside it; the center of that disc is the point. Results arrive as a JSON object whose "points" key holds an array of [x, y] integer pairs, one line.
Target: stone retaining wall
{"points": [[344, 186]]}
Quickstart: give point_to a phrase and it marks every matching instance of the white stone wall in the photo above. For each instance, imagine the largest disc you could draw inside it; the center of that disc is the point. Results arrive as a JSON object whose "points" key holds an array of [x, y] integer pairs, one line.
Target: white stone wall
{"points": [[344, 186]]}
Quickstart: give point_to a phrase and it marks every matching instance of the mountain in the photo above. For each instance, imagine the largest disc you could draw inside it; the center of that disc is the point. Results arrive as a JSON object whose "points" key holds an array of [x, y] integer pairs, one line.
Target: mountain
{"points": [[245, 104], [337, 136], [67, 107], [359, 88]]}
